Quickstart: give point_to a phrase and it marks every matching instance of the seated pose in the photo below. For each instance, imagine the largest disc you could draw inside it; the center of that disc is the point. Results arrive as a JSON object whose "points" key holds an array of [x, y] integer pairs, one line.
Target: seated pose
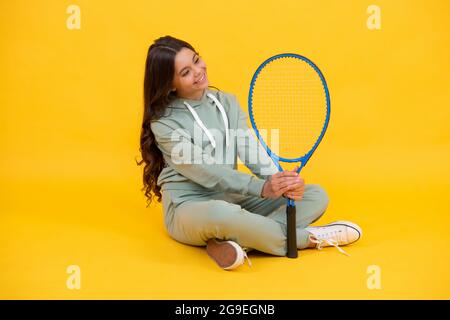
{"points": [[190, 141]]}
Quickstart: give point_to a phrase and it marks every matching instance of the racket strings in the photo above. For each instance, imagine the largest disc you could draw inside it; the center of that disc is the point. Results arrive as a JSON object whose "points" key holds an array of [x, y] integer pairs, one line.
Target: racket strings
{"points": [[289, 104]]}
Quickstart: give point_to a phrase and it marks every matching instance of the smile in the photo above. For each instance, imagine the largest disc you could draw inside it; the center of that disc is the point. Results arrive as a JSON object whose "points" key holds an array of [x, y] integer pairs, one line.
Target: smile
{"points": [[201, 79]]}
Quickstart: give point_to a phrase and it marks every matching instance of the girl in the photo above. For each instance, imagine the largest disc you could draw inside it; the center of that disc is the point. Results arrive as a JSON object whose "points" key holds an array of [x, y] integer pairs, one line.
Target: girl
{"points": [[186, 129]]}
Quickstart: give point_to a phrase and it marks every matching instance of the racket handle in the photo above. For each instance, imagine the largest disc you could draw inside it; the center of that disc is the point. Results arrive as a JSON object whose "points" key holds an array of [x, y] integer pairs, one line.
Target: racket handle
{"points": [[291, 232]]}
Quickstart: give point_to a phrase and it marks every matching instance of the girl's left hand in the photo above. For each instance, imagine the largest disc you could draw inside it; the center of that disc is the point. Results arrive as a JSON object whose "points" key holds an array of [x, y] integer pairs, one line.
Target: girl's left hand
{"points": [[297, 193]]}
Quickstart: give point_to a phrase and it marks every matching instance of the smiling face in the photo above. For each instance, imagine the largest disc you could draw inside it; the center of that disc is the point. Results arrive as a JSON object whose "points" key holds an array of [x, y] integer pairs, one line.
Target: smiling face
{"points": [[190, 78]]}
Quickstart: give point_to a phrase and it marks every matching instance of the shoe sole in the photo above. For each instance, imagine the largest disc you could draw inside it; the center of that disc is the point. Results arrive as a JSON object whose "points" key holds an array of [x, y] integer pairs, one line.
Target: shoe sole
{"points": [[223, 253]]}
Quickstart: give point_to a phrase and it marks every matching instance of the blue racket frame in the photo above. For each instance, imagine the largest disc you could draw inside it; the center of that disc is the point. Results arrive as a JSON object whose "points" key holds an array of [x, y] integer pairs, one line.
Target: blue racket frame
{"points": [[290, 208], [303, 159]]}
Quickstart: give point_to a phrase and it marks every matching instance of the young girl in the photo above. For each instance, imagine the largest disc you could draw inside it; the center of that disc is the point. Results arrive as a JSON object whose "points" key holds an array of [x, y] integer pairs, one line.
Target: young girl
{"points": [[209, 202]]}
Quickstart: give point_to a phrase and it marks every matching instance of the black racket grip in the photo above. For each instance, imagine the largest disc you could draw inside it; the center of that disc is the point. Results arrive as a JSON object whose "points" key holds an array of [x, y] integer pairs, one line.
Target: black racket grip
{"points": [[291, 232]]}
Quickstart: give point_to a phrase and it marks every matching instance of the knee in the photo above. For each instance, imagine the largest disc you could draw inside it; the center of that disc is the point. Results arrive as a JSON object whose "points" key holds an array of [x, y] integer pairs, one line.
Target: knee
{"points": [[221, 216], [195, 224], [319, 195]]}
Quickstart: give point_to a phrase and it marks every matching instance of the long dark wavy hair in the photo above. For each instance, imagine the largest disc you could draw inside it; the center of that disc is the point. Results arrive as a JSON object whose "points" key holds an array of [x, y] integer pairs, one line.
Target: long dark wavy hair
{"points": [[158, 82]]}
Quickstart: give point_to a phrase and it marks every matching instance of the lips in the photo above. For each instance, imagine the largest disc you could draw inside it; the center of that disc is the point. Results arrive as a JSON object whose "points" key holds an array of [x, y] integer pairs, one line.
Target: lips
{"points": [[202, 78]]}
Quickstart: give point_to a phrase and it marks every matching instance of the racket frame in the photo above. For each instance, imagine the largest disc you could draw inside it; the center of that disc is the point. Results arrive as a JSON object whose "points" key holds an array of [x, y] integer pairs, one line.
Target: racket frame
{"points": [[290, 207]]}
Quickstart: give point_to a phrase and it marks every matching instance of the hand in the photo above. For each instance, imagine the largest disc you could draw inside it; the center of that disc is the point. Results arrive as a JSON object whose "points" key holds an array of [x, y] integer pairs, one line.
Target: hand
{"points": [[297, 193], [283, 182]]}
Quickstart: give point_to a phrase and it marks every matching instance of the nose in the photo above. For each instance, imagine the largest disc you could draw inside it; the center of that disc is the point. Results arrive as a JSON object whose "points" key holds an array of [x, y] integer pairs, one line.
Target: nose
{"points": [[198, 72]]}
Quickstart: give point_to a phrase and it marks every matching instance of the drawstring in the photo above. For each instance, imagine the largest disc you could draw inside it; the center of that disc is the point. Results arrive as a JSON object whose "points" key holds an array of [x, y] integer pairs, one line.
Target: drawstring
{"points": [[224, 116], [200, 123]]}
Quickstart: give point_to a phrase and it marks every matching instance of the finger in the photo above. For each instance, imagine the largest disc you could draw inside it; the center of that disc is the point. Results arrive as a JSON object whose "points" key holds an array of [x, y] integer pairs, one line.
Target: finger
{"points": [[294, 193], [289, 180], [282, 190], [295, 176], [277, 175], [296, 184], [294, 197], [297, 188], [289, 174], [289, 185]]}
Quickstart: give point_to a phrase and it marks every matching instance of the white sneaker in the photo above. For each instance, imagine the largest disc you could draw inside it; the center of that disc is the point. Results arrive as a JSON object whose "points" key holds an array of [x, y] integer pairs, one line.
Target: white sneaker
{"points": [[338, 233], [227, 254]]}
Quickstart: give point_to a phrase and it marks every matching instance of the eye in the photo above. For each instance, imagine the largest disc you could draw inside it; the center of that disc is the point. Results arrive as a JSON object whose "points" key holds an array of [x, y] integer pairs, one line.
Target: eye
{"points": [[187, 72]]}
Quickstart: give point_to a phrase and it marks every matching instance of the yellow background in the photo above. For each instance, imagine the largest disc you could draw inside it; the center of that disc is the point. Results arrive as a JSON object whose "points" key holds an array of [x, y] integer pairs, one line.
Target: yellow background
{"points": [[71, 110]]}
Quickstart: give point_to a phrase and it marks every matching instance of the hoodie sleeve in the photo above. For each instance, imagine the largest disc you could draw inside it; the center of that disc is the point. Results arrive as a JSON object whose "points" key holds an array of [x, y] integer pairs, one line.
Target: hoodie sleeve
{"points": [[250, 150], [189, 160]]}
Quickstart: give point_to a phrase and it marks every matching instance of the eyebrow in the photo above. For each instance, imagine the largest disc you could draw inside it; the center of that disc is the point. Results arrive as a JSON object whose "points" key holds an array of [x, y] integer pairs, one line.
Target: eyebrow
{"points": [[193, 57]]}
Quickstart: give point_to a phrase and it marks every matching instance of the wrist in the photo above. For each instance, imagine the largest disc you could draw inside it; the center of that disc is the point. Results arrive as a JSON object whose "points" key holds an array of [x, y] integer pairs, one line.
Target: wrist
{"points": [[263, 190], [255, 186], [265, 187]]}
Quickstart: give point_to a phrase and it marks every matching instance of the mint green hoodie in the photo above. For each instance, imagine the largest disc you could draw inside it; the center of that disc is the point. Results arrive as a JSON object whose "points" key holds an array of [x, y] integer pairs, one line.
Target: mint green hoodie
{"points": [[177, 136]]}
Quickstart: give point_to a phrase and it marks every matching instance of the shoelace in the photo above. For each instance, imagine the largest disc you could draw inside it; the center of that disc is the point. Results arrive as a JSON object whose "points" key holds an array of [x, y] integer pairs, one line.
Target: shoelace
{"points": [[246, 257], [321, 241]]}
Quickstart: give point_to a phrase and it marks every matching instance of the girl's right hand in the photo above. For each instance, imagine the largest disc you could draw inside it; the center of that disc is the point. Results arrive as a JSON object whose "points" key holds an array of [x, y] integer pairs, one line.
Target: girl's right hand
{"points": [[281, 182]]}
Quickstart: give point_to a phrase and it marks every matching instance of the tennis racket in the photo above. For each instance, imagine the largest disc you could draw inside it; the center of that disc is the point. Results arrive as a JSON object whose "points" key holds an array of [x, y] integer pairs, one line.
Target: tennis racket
{"points": [[289, 96]]}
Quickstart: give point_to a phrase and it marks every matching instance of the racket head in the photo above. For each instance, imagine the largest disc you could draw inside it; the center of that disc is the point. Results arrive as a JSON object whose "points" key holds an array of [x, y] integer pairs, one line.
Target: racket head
{"points": [[289, 94]]}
